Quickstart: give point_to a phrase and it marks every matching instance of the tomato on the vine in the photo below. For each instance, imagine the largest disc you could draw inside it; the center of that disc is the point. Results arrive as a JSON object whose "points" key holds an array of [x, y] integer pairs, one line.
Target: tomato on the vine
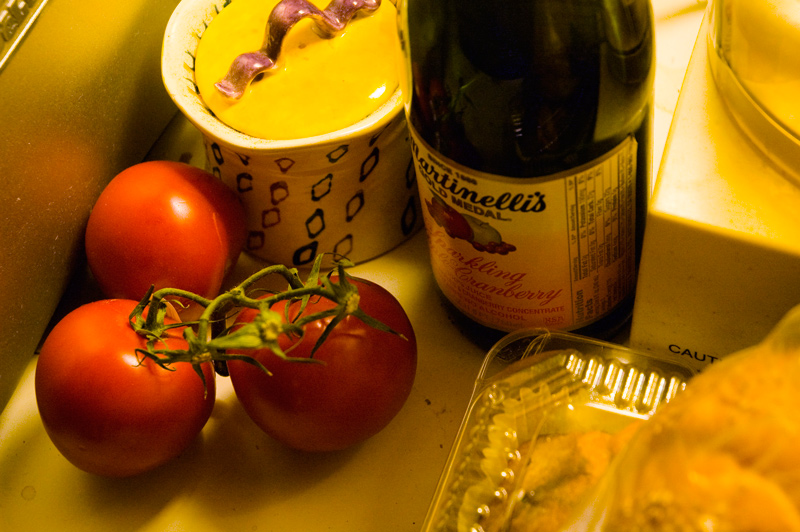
{"points": [[166, 224], [105, 407], [364, 377]]}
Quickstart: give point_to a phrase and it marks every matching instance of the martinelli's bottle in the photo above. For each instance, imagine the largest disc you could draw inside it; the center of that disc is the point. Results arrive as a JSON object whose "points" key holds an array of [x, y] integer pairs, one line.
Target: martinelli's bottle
{"points": [[531, 132]]}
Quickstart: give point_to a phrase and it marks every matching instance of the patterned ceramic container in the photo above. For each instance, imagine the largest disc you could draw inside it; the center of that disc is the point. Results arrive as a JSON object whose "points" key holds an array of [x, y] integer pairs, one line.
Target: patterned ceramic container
{"points": [[351, 192]]}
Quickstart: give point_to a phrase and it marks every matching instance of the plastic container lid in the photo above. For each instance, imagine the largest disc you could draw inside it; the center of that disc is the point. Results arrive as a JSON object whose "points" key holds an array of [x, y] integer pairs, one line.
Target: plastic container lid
{"points": [[548, 413], [753, 52]]}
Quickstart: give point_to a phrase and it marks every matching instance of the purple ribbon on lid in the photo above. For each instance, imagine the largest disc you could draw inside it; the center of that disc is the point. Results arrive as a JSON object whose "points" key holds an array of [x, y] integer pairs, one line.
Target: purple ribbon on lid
{"points": [[330, 22]]}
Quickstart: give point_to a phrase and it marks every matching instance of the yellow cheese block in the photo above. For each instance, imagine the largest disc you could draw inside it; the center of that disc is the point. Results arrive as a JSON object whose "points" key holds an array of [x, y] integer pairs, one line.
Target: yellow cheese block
{"points": [[319, 85]]}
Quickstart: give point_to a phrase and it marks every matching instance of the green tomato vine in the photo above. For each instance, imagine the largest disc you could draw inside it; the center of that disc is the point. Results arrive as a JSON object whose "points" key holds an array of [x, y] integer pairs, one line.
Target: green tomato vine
{"points": [[210, 340]]}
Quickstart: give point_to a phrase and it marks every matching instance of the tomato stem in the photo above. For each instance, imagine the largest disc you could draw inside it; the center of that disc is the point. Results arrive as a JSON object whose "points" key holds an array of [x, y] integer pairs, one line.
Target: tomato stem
{"points": [[209, 337]]}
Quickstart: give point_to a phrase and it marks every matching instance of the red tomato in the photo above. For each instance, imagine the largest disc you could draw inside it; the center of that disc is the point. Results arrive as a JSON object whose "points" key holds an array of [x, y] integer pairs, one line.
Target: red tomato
{"points": [[366, 377], [106, 412], [166, 224]]}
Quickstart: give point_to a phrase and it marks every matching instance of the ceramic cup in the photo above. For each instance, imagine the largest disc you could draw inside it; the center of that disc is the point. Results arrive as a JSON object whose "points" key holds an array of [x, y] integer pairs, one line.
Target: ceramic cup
{"points": [[351, 192]]}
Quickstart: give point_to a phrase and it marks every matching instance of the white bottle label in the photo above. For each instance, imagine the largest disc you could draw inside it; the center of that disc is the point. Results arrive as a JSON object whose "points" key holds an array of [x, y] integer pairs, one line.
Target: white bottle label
{"points": [[555, 252]]}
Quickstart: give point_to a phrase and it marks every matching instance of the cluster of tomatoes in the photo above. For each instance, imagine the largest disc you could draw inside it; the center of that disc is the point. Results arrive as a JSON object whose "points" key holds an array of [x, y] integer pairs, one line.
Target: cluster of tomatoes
{"points": [[113, 407]]}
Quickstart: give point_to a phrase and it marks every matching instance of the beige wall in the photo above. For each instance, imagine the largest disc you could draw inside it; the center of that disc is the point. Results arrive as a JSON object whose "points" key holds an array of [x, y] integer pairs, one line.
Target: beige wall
{"points": [[81, 97]]}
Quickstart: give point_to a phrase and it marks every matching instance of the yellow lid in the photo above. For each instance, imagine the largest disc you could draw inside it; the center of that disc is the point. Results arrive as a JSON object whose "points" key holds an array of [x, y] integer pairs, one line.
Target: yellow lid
{"points": [[319, 85]]}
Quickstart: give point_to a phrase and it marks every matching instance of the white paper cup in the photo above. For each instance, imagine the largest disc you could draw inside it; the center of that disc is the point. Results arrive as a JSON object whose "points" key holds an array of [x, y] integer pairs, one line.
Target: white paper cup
{"points": [[351, 192]]}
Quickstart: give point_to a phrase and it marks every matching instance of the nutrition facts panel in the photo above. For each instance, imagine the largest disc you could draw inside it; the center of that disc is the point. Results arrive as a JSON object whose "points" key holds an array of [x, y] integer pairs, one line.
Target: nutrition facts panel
{"points": [[601, 206]]}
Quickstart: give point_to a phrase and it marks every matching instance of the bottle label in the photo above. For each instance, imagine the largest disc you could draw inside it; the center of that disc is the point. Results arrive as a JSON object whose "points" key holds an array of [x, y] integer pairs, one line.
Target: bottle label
{"points": [[555, 252]]}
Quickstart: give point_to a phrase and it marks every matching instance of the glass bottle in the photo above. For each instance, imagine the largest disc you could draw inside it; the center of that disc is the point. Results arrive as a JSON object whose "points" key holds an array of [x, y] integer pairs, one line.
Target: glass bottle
{"points": [[531, 128]]}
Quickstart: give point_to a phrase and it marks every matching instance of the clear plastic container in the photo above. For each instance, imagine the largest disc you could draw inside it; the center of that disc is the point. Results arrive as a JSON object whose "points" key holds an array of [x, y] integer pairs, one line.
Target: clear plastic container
{"points": [[753, 52], [548, 413]]}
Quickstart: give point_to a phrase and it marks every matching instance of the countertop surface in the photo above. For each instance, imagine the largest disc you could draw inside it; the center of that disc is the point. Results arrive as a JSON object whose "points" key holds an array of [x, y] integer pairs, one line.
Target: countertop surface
{"points": [[234, 478]]}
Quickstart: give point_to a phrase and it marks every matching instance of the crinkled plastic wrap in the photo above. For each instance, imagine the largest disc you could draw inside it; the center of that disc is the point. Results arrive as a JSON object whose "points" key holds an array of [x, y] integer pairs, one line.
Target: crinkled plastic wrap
{"points": [[723, 456], [548, 414]]}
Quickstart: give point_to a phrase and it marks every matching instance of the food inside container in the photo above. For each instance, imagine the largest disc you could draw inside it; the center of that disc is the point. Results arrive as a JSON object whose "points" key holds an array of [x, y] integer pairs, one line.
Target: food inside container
{"points": [[723, 455], [548, 414], [580, 436]]}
